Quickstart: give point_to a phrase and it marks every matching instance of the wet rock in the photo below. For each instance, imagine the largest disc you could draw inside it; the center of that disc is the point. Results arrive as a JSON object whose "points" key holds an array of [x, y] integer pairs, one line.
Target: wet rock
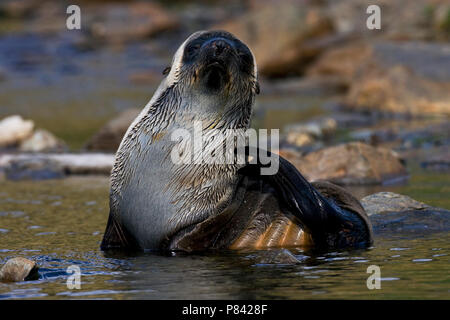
{"points": [[83, 164], [19, 269], [410, 78], [42, 141], [282, 256], [352, 163], [438, 162], [281, 45], [383, 202], [14, 129], [33, 169], [109, 137], [307, 133], [394, 213], [133, 21]]}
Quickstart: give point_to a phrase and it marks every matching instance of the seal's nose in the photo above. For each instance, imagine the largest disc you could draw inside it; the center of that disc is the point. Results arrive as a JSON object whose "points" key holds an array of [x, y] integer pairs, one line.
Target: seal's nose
{"points": [[218, 46]]}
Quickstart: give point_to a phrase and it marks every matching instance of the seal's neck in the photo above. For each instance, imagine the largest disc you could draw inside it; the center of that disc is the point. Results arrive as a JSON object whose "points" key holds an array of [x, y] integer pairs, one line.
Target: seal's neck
{"points": [[202, 186]]}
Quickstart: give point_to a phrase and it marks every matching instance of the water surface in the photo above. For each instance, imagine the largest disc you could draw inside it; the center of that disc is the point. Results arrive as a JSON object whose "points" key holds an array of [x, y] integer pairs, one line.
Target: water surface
{"points": [[61, 222]]}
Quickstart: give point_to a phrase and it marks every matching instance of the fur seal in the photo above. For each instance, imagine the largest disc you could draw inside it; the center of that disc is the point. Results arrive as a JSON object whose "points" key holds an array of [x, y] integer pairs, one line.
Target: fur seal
{"points": [[156, 204]]}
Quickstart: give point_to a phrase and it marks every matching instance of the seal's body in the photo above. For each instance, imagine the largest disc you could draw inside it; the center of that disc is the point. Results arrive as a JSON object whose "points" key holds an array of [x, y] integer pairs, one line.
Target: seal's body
{"points": [[157, 203]]}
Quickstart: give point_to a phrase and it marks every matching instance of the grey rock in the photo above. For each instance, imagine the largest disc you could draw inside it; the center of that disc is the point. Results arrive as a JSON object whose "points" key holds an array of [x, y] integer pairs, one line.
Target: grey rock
{"points": [[84, 164], [438, 162], [394, 214], [382, 202], [34, 169]]}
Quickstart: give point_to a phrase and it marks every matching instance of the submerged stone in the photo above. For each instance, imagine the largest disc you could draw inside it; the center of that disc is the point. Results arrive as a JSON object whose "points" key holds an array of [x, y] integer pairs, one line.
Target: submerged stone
{"points": [[19, 269]]}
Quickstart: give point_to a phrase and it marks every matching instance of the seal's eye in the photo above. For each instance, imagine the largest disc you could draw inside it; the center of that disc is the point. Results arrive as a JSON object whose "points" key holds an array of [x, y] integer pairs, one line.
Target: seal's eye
{"points": [[166, 70], [191, 51]]}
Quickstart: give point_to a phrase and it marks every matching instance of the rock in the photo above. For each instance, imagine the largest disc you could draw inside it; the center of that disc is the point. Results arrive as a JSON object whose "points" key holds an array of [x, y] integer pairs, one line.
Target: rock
{"points": [[133, 21], [48, 18], [300, 139], [109, 137], [281, 45], [374, 137], [34, 169], [352, 163], [383, 202], [14, 129], [317, 128], [42, 141], [281, 256], [341, 61], [410, 78], [400, 19], [90, 163], [394, 213], [312, 86], [347, 120], [18, 9], [19, 269], [307, 133], [438, 162]]}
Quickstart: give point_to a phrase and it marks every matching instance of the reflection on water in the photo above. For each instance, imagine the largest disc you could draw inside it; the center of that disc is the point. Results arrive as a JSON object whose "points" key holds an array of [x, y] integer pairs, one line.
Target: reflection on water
{"points": [[61, 222]]}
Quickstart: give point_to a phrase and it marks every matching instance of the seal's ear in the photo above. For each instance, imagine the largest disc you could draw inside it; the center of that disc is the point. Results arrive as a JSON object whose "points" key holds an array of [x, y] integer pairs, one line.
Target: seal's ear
{"points": [[257, 90], [166, 70]]}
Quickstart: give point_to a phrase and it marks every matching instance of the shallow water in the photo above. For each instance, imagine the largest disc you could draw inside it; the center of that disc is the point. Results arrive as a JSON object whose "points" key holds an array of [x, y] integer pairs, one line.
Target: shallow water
{"points": [[60, 223]]}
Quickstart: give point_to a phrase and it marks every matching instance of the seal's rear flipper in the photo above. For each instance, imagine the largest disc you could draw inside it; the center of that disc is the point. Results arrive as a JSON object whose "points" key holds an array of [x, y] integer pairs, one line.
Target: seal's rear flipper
{"points": [[334, 219], [116, 237]]}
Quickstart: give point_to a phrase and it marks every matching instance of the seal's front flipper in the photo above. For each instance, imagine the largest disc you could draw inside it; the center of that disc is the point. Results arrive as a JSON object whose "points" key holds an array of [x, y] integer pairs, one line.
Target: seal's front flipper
{"points": [[116, 237], [334, 219]]}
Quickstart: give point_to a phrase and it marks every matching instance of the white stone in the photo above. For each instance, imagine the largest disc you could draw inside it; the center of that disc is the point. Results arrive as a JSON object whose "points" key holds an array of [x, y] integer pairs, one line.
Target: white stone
{"points": [[14, 129]]}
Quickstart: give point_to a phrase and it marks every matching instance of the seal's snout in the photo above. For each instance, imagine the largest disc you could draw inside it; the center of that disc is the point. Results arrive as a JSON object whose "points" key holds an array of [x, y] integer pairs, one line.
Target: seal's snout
{"points": [[218, 47], [216, 55]]}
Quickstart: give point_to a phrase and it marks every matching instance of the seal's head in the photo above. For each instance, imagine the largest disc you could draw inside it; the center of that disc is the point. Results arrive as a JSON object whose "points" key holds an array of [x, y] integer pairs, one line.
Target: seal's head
{"points": [[214, 63]]}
